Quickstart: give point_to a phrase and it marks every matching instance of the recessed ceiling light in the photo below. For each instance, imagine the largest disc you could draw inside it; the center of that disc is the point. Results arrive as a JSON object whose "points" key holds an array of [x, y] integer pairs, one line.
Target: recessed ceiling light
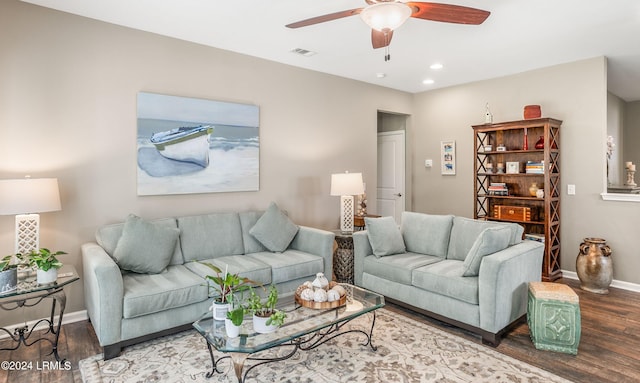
{"points": [[436, 66], [303, 52], [428, 81], [381, 75]]}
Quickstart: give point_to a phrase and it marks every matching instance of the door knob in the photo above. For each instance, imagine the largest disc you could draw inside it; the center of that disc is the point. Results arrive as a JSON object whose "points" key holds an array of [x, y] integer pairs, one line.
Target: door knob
{"points": [[399, 194]]}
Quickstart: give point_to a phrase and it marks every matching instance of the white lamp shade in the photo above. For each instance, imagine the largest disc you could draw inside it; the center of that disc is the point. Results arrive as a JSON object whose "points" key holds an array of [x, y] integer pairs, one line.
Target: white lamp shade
{"points": [[347, 184], [387, 16], [27, 195]]}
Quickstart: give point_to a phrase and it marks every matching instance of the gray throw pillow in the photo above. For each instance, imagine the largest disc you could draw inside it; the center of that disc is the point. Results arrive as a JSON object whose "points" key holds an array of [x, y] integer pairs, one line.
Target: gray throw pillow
{"points": [[144, 247], [274, 229], [384, 236], [491, 240]]}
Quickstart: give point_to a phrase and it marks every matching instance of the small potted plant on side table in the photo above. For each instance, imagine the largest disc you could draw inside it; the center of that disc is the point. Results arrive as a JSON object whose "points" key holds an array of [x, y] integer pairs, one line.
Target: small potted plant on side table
{"points": [[225, 285], [266, 318], [46, 263]]}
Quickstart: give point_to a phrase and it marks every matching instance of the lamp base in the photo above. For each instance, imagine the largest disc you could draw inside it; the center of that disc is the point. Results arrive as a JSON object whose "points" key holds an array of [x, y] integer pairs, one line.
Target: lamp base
{"points": [[27, 233], [346, 213]]}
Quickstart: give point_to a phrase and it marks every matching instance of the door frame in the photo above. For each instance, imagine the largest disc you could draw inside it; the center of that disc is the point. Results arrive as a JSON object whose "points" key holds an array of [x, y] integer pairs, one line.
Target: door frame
{"points": [[403, 171]]}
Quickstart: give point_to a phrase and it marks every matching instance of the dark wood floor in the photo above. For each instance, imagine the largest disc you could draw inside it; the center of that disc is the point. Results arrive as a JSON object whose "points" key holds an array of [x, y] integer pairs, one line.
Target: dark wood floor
{"points": [[608, 352]]}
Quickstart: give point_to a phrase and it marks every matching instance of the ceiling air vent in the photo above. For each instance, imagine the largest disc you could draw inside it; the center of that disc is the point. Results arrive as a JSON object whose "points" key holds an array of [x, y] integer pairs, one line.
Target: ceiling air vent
{"points": [[303, 52]]}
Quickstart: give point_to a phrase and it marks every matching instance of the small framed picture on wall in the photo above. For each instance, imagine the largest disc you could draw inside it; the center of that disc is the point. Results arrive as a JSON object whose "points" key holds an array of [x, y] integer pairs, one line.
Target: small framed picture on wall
{"points": [[448, 157]]}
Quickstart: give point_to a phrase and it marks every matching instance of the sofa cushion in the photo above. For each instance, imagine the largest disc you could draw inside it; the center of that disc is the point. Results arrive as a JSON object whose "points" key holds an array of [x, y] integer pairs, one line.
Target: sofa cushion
{"points": [[247, 220], [145, 247], [290, 264], [445, 278], [210, 236], [399, 267], [244, 266], [465, 231], [384, 236], [426, 233], [108, 236], [491, 240], [274, 229], [151, 293]]}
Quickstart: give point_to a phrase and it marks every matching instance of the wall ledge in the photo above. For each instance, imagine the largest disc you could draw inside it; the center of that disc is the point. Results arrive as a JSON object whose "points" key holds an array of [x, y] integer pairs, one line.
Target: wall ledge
{"points": [[620, 197]]}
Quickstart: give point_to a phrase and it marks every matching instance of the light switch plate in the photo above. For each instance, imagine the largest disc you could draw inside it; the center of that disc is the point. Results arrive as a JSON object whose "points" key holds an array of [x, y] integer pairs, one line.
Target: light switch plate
{"points": [[571, 189], [428, 163]]}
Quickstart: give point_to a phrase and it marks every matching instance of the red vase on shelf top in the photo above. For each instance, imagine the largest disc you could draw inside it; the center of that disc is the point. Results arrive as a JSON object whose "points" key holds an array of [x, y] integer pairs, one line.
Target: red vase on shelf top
{"points": [[540, 143]]}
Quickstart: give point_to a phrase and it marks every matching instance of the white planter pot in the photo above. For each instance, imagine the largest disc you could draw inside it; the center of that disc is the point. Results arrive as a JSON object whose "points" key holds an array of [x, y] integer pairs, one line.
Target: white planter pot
{"points": [[260, 325], [232, 330], [220, 310], [48, 276]]}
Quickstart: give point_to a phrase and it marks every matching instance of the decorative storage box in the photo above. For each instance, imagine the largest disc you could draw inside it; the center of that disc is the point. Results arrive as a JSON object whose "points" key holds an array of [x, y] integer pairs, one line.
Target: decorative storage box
{"points": [[517, 213], [553, 316]]}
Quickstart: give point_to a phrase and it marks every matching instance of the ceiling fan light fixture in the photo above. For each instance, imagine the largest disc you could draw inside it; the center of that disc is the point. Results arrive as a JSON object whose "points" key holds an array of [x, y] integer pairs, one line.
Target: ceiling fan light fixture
{"points": [[386, 16]]}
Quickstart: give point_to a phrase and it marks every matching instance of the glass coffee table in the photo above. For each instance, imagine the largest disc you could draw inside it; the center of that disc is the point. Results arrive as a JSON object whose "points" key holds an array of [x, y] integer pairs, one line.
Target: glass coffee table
{"points": [[304, 329]]}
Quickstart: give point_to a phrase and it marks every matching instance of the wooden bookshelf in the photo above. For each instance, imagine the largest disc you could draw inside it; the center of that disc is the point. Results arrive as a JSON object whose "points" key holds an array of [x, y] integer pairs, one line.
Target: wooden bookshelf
{"points": [[545, 211]]}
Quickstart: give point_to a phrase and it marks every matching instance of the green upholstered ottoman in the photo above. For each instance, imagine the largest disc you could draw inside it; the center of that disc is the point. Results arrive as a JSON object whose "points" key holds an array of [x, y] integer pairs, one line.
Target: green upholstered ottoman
{"points": [[553, 315]]}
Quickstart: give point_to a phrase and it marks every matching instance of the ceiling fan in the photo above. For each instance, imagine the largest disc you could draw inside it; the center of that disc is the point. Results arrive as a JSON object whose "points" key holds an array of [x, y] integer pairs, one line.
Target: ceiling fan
{"points": [[384, 16]]}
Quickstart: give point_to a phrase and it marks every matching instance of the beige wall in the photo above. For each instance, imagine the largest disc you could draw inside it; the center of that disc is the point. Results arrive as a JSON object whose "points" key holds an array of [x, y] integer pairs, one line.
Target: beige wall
{"points": [[615, 129], [631, 133], [68, 90], [575, 93]]}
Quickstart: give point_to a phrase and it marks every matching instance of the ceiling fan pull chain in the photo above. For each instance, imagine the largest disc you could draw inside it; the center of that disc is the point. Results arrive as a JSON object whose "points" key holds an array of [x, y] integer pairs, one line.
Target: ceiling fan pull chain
{"points": [[387, 56]]}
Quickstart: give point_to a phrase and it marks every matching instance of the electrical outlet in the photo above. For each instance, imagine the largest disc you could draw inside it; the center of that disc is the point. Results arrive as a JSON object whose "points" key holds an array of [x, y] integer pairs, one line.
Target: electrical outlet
{"points": [[571, 189]]}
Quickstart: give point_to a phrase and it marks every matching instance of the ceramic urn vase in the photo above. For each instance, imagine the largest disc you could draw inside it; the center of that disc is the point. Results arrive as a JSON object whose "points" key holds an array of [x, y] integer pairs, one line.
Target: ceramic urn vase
{"points": [[594, 265]]}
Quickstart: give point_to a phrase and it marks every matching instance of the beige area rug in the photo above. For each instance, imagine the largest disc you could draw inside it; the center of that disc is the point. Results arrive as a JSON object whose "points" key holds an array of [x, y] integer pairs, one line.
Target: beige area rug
{"points": [[409, 351]]}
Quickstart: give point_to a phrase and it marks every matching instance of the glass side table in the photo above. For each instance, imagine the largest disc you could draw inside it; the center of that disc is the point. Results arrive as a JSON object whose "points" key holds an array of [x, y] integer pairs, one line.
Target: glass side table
{"points": [[28, 294]]}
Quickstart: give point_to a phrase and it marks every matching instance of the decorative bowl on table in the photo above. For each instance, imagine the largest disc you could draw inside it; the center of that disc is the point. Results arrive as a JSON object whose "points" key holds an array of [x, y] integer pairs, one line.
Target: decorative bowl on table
{"points": [[330, 296]]}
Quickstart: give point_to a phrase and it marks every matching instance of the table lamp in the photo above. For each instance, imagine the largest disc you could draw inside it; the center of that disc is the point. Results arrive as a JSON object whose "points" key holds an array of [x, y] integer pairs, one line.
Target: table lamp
{"points": [[25, 198], [346, 185]]}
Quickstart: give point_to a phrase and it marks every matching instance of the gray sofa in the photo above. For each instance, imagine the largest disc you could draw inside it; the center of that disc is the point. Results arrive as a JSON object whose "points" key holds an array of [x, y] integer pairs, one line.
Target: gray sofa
{"points": [[470, 273], [143, 279]]}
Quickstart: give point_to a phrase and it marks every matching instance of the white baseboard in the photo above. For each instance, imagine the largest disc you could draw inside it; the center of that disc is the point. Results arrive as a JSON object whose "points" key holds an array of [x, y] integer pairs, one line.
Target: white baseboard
{"points": [[82, 315], [75, 316], [615, 283]]}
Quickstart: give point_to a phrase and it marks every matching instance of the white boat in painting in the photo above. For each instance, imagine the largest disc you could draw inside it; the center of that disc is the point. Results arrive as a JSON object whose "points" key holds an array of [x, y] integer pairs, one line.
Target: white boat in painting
{"points": [[187, 144]]}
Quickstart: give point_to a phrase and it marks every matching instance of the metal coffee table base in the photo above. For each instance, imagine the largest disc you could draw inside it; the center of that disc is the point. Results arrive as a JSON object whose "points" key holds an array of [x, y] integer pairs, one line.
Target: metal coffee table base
{"points": [[304, 343]]}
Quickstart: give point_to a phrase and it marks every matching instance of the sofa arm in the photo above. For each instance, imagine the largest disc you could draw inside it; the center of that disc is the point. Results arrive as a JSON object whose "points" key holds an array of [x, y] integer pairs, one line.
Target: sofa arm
{"points": [[317, 242], [503, 282], [361, 249], [103, 293]]}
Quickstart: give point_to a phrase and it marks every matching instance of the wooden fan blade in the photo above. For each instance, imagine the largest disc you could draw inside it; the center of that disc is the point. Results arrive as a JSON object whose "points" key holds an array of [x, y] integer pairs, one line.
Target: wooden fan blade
{"points": [[448, 13], [379, 39], [324, 18]]}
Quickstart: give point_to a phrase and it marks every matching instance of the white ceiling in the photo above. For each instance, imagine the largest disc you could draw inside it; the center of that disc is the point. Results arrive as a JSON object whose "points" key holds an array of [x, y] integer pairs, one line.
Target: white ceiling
{"points": [[519, 35]]}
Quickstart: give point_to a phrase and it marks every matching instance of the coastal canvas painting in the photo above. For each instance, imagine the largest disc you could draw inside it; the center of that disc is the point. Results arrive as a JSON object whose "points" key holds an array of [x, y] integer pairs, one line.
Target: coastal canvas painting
{"points": [[188, 145]]}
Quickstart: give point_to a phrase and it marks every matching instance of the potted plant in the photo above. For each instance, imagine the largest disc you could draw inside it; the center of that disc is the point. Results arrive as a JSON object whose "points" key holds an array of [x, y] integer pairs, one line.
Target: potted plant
{"points": [[266, 318], [235, 315], [9, 272], [46, 263], [225, 285]]}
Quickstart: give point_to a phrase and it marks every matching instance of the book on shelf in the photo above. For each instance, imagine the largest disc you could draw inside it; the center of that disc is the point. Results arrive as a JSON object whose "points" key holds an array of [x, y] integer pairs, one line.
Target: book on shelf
{"points": [[534, 237], [533, 167], [498, 189]]}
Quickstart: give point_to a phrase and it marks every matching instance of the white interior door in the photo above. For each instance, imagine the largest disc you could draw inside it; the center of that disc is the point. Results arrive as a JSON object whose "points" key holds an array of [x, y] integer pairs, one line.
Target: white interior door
{"points": [[391, 169]]}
